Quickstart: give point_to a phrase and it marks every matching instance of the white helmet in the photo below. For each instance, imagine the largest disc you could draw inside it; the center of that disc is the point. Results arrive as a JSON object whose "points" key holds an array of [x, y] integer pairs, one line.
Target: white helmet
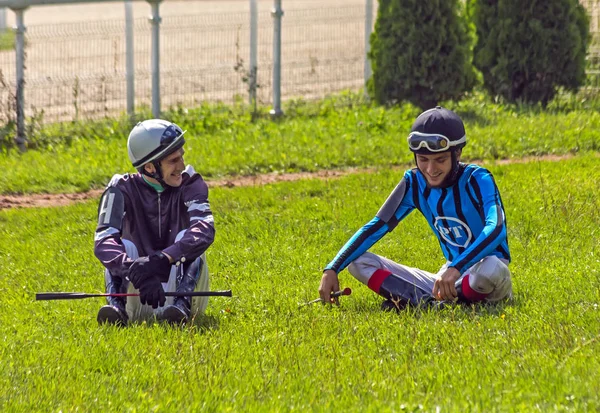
{"points": [[152, 140]]}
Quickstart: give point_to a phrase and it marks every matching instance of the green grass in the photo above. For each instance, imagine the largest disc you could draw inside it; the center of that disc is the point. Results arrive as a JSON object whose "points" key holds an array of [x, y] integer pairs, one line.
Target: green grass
{"points": [[259, 352], [7, 39], [341, 131]]}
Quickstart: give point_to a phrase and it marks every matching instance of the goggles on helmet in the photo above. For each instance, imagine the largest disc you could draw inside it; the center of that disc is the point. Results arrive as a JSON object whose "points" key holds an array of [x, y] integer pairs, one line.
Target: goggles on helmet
{"points": [[171, 133], [171, 140], [432, 142]]}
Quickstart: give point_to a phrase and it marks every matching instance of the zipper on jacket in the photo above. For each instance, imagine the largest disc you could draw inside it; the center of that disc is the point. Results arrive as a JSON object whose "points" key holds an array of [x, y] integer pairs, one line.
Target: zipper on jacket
{"points": [[159, 219]]}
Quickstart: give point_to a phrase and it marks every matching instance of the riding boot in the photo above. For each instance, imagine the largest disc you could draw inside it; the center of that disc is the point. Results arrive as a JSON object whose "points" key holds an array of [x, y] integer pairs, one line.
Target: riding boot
{"points": [[400, 294], [181, 309], [114, 312]]}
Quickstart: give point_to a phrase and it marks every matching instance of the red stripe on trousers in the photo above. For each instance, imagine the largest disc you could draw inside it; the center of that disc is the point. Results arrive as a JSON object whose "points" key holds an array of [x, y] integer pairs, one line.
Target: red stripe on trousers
{"points": [[469, 293], [377, 279]]}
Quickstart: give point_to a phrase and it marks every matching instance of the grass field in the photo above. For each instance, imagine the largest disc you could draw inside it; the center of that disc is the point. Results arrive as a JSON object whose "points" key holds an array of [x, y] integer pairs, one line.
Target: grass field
{"points": [[259, 351]]}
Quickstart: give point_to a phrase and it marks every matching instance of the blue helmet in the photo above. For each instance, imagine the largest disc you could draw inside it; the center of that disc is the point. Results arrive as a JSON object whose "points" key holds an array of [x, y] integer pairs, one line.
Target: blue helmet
{"points": [[437, 130]]}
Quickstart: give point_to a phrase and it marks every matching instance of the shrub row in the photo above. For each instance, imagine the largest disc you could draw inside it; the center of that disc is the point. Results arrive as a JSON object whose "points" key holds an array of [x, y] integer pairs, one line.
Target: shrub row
{"points": [[428, 51]]}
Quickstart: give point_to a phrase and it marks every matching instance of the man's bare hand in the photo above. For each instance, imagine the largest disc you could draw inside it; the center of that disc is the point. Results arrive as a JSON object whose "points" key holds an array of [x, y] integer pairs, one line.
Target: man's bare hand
{"points": [[443, 288], [329, 284]]}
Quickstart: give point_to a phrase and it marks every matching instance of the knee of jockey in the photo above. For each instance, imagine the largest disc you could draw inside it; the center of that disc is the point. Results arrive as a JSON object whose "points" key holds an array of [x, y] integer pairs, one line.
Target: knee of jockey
{"points": [[361, 272], [490, 271], [363, 267], [483, 278]]}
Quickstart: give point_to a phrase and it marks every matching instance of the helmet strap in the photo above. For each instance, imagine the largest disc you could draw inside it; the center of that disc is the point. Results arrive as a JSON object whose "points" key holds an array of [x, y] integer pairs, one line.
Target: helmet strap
{"points": [[157, 174], [453, 175]]}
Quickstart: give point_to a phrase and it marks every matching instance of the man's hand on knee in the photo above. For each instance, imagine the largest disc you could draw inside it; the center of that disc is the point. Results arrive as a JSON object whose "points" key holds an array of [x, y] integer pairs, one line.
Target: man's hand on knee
{"points": [[444, 287], [157, 265], [146, 274]]}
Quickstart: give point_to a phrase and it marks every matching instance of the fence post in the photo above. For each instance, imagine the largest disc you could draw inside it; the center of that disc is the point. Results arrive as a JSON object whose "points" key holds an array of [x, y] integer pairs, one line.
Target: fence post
{"points": [[20, 139], [277, 13], [129, 62], [368, 30], [2, 19], [252, 75], [155, 20]]}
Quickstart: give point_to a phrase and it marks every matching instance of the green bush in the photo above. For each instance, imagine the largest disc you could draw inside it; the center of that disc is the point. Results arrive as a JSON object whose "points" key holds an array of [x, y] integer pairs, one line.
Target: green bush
{"points": [[420, 52], [527, 50]]}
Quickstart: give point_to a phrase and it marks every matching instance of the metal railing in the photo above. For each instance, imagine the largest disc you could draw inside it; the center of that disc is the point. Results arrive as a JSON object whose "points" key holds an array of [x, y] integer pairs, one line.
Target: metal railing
{"points": [[79, 70]]}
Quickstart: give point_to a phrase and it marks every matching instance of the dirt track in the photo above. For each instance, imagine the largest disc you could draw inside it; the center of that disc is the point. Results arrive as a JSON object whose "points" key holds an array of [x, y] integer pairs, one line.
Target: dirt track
{"points": [[53, 200]]}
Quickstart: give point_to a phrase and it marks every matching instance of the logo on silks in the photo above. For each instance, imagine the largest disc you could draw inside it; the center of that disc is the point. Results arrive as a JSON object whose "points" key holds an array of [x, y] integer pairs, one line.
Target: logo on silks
{"points": [[453, 231], [170, 134]]}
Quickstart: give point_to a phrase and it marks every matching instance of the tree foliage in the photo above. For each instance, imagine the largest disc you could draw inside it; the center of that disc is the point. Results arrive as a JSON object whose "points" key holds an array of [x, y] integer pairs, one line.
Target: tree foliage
{"points": [[527, 49], [420, 52]]}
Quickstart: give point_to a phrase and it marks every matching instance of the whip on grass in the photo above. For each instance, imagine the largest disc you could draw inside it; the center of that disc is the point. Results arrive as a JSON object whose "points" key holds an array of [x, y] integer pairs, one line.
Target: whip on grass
{"points": [[345, 291], [77, 296]]}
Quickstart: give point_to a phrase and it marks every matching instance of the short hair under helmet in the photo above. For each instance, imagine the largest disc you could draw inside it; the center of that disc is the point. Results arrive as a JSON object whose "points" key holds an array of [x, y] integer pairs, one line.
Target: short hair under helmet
{"points": [[437, 130], [152, 140]]}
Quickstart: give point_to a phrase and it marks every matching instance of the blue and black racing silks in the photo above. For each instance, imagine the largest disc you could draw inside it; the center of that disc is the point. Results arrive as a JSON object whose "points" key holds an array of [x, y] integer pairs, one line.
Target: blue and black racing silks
{"points": [[468, 218]]}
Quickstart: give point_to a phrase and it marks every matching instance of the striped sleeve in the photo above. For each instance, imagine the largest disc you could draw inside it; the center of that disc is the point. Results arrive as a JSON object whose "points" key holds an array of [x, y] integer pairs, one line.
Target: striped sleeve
{"points": [[108, 246], [494, 231], [395, 208]]}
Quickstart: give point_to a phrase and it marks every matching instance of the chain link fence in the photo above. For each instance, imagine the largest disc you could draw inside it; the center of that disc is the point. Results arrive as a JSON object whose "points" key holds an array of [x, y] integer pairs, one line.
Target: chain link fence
{"points": [[76, 70], [593, 9]]}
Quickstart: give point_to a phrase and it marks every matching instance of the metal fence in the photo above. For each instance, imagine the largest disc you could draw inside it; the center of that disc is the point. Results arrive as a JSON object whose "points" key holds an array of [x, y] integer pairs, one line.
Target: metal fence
{"points": [[593, 9], [78, 69]]}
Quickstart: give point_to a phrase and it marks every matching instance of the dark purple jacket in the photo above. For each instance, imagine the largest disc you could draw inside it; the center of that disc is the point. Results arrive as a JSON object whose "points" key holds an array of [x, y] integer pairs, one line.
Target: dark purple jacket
{"points": [[131, 209]]}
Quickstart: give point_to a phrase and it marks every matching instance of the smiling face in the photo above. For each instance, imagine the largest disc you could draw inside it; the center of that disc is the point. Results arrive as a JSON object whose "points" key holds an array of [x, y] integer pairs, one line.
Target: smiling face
{"points": [[171, 166], [436, 167]]}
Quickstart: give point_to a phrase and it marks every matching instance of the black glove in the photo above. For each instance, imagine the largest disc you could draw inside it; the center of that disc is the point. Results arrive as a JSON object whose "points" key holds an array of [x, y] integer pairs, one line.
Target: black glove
{"points": [[146, 273], [157, 265], [151, 292]]}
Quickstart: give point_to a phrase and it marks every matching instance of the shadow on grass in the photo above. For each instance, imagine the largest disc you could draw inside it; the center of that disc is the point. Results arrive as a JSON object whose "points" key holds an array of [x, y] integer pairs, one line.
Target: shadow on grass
{"points": [[205, 322], [201, 323], [486, 308], [479, 309]]}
